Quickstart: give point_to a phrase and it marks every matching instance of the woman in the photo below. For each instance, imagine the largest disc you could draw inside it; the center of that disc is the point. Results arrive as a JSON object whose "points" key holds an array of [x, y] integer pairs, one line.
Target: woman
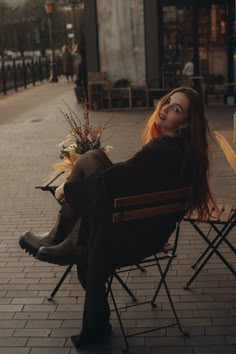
{"points": [[174, 154], [67, 62], [81, 77]]}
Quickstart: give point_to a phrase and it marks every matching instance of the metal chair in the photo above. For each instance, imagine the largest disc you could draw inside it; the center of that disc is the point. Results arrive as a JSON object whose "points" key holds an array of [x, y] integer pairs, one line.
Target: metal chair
{"points": [[222, 222], [172, 202]]}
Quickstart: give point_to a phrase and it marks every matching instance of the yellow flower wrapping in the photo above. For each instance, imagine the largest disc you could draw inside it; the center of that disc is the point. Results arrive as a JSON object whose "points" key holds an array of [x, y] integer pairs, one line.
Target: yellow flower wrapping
{"points": [[68, 161]]}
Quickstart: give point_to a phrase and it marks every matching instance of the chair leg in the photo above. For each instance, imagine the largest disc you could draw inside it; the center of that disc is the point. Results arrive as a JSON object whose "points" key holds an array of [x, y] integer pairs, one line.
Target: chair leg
{"points": [[214, 249], [67, 271], [138, 266], [126, 349], [125, 287], [186, 334], [225, 239], [163, 275], [206, 250], [163, 281], [210, 244], [143, 270]]}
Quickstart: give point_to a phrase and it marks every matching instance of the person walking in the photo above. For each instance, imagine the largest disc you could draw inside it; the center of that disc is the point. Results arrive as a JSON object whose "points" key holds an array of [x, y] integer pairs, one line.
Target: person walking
{"points": [[67, 62]]}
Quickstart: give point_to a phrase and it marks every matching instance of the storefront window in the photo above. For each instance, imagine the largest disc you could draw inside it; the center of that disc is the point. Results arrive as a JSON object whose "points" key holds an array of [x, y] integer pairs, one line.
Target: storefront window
{"points": [[177, 43], [212, 40], [178, 34]]}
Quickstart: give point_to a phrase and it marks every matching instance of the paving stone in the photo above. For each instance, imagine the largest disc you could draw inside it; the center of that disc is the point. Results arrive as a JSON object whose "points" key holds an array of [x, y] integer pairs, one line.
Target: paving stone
{"points": [[43, 324], [219, 349], [12, 323], [230, 339], [29, 300], [45, 342], [40, 308], [205, 340], [16, 350], [13, 342], [66, 315], [6, 332], [31, 315], [42, 332], [171, 350], [50, 350]]}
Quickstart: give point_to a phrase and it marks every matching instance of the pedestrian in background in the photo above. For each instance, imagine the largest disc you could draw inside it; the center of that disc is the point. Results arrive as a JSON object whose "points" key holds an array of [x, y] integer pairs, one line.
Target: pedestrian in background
{"points": [[81, 77], [187, 72], [67, 62], [76, 60]]}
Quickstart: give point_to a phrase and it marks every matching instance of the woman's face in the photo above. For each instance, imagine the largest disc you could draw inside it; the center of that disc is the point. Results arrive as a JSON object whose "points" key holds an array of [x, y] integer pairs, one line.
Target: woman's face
{"points": [[173, 114]]}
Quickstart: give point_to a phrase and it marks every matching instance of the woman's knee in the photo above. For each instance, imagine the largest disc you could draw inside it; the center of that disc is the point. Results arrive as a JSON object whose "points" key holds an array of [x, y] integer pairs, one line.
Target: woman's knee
{"points": [[89, 163]]}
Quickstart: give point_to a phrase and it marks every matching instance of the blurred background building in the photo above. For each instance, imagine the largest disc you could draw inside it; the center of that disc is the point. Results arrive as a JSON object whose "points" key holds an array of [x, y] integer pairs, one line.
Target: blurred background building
{"points": [[135, 42], [151, 40]]}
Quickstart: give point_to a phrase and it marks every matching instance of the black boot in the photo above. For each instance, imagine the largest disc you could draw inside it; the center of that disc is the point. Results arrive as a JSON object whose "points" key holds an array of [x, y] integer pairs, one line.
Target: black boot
{"points": [[66, 252], [86, 165], [65, 222], [101, 337]]}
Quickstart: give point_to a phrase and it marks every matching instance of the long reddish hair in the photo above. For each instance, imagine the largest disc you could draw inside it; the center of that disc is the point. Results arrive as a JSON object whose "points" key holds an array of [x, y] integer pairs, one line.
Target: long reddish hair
{"points": [[197, 146]]}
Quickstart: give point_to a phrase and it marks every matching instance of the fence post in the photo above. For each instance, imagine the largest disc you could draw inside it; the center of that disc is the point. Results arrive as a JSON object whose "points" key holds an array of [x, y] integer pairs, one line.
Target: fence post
{"points": [[3, 78], [24, 73], [14, 74], [32, 71], [40, 69], [47, 68]]}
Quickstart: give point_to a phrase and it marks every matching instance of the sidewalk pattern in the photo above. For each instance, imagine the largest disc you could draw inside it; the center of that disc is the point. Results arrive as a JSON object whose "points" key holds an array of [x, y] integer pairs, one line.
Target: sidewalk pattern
{"points": [[29, 324]]}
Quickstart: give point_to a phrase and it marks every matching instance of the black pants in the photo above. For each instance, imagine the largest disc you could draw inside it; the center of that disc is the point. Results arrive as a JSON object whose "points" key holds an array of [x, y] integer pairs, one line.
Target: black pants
{"points": [[104, 246], [94, 265]]}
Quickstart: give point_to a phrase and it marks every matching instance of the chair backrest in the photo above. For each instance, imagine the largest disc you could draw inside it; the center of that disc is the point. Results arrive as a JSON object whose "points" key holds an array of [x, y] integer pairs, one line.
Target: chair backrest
{"points": [[151, 205], [96, 76]]}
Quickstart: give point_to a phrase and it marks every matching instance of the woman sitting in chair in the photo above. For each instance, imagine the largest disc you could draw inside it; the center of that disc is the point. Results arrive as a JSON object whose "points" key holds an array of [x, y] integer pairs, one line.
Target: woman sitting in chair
{"points": [[174, 155]]}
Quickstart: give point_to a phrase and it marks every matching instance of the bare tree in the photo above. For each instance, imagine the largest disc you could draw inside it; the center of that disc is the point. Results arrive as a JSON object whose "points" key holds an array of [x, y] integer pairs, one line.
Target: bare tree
{"points": [[35, 9], [5, 17]]}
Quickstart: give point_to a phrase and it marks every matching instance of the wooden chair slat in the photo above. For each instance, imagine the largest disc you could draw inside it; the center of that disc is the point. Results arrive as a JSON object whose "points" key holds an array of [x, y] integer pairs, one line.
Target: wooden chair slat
{"points": [[58, 181], [150, 198], [49, 179], [145, 213], [226, 213]]}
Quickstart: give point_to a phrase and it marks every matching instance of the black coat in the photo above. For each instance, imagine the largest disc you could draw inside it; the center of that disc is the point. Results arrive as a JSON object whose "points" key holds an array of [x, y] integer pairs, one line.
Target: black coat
{"points": [[162, 164]]}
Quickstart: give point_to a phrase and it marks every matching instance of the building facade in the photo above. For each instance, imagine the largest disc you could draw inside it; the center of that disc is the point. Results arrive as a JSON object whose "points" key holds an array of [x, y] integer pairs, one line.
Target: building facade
{"points": [[152, 40]]}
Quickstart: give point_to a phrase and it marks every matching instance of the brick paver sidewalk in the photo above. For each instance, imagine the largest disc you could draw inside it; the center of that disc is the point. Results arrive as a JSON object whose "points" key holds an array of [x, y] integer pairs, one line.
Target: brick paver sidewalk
{"points": [[31, 128]]}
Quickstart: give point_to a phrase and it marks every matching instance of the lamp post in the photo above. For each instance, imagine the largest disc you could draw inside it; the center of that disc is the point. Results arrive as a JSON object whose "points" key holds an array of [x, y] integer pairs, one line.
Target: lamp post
{"points": [[49, 7], [73, 4]]}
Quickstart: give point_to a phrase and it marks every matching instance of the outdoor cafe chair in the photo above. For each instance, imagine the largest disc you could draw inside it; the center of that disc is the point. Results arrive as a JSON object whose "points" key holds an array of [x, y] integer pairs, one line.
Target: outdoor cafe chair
{"points": [[139, 207], [170, 202], [221, 221]]}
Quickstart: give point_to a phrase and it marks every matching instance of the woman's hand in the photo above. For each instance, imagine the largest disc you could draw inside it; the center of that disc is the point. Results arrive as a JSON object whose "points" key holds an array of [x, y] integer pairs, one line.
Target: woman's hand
{"points": [[59, 192]]}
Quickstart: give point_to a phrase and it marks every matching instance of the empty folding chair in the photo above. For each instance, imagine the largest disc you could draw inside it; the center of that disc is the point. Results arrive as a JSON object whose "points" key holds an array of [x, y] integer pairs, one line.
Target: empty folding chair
{"points": [[221, 221]]}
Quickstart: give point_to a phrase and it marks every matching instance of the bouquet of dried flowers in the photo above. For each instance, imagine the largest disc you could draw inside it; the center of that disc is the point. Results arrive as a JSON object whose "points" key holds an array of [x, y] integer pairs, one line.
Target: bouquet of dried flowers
{"points": [[83, 137]]}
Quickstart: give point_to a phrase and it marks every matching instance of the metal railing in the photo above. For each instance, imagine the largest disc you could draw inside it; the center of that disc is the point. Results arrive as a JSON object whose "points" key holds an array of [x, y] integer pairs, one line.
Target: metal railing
{"points": [[18, 73]]}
